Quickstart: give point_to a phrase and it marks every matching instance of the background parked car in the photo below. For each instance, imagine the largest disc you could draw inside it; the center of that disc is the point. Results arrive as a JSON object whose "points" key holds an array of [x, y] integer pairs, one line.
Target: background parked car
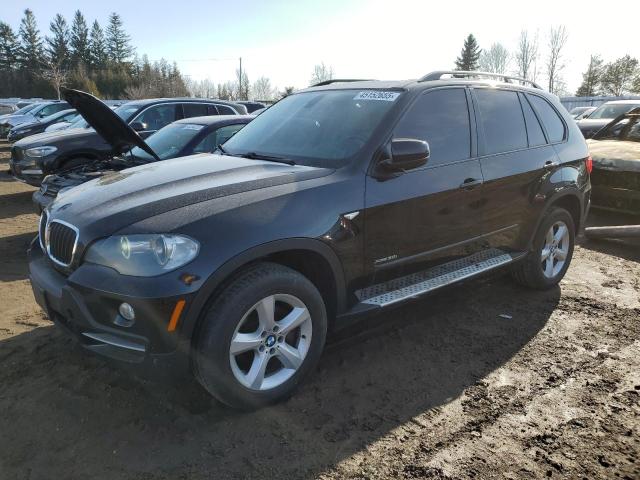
{"points": [[38, 126], [20, 111], [74, 122], [51, 152], [615, 151], [581, 112], [185, 137], [39, 111], [7, 108], [602, 115]]}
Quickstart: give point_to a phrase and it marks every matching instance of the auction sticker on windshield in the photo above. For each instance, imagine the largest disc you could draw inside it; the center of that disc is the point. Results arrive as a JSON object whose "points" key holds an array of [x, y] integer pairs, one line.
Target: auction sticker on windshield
{"points": [[377, 95]]}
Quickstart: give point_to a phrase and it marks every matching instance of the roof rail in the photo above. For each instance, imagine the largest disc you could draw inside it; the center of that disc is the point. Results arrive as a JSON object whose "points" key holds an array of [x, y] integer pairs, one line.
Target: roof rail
{"points": [[338, 80], [463, 73]]}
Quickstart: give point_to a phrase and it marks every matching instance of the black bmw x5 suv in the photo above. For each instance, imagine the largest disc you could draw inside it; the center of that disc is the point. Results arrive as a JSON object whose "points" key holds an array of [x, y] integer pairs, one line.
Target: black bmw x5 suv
{"points": [[339, 200]]}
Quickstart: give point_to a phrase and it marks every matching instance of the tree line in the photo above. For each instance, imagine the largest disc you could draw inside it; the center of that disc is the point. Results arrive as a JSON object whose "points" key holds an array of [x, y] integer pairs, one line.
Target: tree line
{"points": [[546, 61], [98, 60]]}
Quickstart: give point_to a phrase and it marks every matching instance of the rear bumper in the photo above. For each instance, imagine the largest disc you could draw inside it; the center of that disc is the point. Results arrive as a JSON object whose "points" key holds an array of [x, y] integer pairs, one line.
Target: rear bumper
{"points": [[88, 315]]}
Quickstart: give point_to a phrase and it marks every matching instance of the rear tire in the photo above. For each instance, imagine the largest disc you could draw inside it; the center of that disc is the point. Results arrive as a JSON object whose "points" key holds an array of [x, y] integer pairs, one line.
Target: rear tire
{"points": [[547, 263], [260, 337]]}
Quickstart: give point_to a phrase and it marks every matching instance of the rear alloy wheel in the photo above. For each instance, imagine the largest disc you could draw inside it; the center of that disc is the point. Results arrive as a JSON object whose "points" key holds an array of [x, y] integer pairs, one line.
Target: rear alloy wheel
{"points": [[555, 250], [260, 337], [548, 261]]}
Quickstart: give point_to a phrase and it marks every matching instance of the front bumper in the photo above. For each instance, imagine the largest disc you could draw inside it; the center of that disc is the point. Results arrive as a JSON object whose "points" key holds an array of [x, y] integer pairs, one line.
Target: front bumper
{"points": [[85, 305], [41, 200], [29, 173]]}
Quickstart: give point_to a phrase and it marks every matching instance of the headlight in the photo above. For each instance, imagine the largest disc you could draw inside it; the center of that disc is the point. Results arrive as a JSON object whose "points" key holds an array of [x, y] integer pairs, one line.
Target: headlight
{"points": [[38, 152], [143, 255]]}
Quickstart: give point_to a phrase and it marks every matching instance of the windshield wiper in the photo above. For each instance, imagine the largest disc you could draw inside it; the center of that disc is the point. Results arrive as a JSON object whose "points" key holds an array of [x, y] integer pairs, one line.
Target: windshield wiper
{"points": [[269, 158]]}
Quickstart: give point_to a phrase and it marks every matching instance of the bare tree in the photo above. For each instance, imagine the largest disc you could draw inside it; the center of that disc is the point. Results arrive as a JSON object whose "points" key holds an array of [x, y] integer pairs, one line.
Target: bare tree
{"points": [[495, 59], [555, 64], [56, 74], [204, 88], [242, 85], [262, 89], [526, 55], [321, 73]]}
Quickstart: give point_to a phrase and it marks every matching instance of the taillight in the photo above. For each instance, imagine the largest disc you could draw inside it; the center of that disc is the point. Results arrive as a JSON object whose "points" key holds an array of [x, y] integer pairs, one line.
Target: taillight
{"points": [[589, 164]]}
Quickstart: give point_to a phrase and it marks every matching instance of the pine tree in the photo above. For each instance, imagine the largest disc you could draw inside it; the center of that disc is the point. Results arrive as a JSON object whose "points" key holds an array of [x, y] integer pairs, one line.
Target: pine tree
{"points": [[118, 43], [58, 43], [97, 47], [469, 55], [80, 40], [8, 48], [31, 51], [591, 78]]}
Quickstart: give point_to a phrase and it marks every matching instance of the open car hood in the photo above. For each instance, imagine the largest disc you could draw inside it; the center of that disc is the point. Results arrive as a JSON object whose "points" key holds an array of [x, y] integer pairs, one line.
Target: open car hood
{"points": [[106, 123]]}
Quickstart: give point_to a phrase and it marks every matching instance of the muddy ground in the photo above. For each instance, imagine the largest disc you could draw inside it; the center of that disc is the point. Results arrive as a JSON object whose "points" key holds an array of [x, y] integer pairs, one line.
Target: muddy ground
{"points": [[486, 380]]}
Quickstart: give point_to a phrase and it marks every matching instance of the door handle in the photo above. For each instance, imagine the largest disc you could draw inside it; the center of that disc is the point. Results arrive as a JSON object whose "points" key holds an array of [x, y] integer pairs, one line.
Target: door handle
{"points": [[549, 164], [470, 183]]}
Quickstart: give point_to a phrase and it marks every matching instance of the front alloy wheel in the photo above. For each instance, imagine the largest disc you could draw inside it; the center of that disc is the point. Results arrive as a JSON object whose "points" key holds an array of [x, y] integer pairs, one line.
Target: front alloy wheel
{"points": [[260, 336], [271, 342]]}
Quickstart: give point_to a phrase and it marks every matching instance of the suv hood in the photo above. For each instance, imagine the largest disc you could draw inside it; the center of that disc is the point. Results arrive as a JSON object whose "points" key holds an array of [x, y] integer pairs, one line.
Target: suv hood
{"points": [[109, 126], [105, 205], [14, 120]]}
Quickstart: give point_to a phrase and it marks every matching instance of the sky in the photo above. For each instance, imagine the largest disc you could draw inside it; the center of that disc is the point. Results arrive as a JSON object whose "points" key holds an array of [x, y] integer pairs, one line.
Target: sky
{"points": [[398, 39]]}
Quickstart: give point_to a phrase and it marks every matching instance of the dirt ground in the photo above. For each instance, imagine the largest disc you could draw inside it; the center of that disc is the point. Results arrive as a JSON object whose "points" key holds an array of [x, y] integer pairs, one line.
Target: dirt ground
{"points": [[486, 380]]}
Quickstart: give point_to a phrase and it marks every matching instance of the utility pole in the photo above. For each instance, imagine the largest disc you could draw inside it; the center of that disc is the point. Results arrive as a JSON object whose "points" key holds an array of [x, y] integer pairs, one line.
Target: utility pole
{"points": [[240, 92]]}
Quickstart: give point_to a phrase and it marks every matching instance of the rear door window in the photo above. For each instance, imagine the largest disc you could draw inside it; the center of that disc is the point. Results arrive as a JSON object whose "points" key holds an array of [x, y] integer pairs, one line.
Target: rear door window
{"points": [[194, 110], [212, 110], [534, 130], [501, 120], [158, 116], [550, 118], [441, 118]]}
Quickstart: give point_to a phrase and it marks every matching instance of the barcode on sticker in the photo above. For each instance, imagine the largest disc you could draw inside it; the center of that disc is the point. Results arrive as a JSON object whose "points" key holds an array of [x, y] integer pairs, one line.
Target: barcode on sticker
{"points": [[377, 95]]}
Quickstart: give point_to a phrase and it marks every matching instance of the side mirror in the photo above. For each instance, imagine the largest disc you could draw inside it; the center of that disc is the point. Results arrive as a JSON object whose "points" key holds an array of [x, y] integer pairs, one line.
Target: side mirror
{"points": [[407, 153], [139, 126]]}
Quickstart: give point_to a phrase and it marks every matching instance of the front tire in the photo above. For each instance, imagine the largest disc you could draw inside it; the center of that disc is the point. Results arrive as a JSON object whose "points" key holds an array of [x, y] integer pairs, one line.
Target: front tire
{"points": [[261, 336], [547, 263]]}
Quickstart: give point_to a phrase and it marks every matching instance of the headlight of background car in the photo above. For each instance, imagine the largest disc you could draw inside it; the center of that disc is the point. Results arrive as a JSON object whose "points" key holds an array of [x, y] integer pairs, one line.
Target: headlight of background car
{"points": [[38, 152], [143, 255]]}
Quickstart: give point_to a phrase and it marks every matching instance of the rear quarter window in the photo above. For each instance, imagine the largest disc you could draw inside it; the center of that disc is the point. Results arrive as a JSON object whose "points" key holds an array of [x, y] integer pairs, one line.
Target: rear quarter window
{"points": [[549, 117]]}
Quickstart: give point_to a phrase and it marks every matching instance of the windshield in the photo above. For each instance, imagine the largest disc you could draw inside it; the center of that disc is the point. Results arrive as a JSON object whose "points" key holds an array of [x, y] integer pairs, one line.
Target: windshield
{"points": [[321, 128], [169, 141], [126, 111], [611, 110]]}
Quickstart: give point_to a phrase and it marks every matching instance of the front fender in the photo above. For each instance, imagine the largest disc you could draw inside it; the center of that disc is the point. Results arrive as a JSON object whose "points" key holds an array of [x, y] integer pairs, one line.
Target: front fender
{"points": [[218, 278]]}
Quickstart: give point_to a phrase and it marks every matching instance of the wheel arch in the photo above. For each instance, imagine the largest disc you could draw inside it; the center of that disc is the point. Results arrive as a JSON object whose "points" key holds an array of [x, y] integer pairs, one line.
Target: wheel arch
{"points": [[570, 200], [310, 257]]}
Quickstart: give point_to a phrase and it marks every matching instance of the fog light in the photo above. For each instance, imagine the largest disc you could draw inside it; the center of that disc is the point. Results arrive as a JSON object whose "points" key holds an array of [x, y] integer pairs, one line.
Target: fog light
{"points": [[127, 312]]}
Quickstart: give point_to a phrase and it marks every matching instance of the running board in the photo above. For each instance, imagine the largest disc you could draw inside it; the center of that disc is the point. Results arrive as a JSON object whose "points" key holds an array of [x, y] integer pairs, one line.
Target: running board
{"points": [[416, 284]]}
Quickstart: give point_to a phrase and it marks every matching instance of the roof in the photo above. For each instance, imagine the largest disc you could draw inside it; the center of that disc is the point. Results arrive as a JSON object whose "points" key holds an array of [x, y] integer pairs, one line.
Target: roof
{"points": [[220, 120], [417, 84], [149, 101]]}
